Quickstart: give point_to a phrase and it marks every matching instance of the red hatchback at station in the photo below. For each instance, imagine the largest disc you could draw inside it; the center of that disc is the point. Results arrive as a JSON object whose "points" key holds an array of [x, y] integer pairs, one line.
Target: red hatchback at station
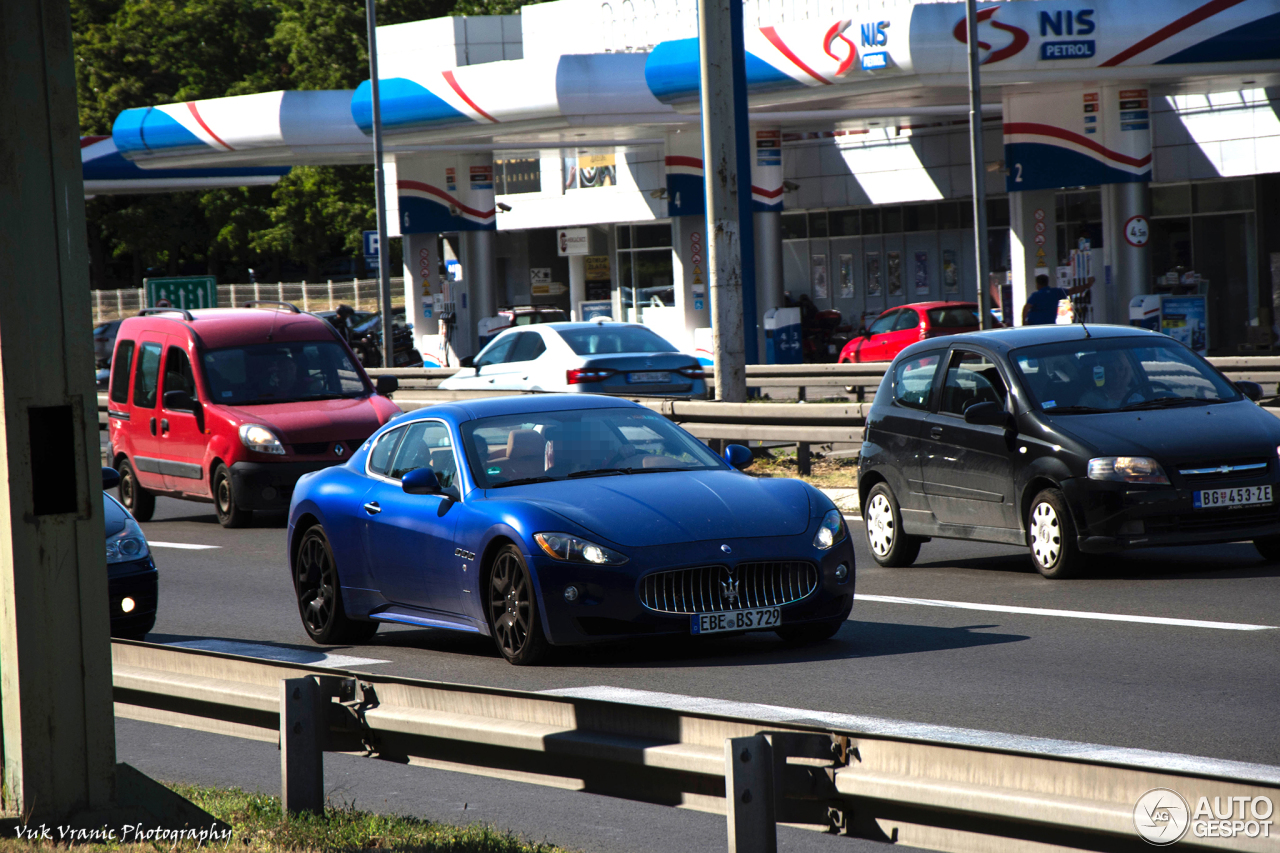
{"points": [[900, 327], [233, 406]]}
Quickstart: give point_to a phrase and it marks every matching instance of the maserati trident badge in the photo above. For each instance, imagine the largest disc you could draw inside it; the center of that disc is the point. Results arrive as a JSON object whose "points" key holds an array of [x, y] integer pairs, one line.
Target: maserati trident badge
{"points": [[730, 589]]}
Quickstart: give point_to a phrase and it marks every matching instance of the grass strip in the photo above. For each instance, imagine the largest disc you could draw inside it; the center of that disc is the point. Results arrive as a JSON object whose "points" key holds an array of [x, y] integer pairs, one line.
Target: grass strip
{"points": [[258, 825]]}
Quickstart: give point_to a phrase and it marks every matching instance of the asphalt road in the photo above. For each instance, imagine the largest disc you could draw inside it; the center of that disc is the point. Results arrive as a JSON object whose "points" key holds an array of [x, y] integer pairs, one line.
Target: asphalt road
{"points": [[1200, 689]]}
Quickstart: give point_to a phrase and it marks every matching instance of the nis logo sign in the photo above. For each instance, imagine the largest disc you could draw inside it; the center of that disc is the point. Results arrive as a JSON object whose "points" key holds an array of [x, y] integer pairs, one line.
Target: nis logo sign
{"points": [[1067, 23]]}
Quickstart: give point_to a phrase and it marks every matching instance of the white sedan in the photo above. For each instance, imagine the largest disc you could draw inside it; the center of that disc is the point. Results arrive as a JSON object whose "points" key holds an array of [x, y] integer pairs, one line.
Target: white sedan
{"points": [[627, 359]]}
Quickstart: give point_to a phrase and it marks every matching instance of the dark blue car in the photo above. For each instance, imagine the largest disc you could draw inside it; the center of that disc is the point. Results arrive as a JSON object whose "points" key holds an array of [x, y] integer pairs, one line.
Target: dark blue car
{"points": [[556, 520]]}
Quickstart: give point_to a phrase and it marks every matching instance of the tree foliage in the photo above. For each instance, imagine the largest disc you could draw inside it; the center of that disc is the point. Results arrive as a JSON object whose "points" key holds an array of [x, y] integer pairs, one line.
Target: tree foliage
{"points": [[134, 53]]}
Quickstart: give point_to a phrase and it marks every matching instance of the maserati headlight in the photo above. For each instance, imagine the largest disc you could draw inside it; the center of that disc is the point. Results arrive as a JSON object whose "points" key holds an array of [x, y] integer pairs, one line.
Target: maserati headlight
{"points": [[832, 531], [1127, 469], [571, 549], [261, 439], [127, 545]]}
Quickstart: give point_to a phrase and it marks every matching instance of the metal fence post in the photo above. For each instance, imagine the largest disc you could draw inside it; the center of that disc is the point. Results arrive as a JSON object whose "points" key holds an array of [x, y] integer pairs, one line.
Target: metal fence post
{"points": [[330, 308], [748, 790], [280, 291], [355, 284], [233, 296], [804, 462], [305, 306], [302, 732], [119, 303]]}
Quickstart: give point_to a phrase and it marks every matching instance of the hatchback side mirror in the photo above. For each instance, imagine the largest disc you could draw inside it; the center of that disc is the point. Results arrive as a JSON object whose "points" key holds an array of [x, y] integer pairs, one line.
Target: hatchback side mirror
{"points": [[387, 385], [987, 414], [179, 401], [421, 481], [738, 456], [110, 478], [1252, 390]]}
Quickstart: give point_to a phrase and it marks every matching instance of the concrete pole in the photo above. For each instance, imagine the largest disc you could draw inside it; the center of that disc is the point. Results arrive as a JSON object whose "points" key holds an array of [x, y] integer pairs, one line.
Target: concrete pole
{"points": [[55, 660], [977, 166], [719, 27], [577, 284], [421, 286], [1130, 265], [769, 287], [380, 190]]}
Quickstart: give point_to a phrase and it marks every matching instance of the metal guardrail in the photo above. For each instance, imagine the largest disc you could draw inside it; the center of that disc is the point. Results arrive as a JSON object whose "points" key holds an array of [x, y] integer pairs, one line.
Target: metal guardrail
{"points": [[810, 424], [933, 793]]}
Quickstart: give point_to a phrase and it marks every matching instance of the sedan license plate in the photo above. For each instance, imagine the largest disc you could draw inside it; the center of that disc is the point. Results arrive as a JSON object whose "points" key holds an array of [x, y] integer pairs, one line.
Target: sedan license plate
{"points": [[1244, 496], [735, 620], [654, 378]]}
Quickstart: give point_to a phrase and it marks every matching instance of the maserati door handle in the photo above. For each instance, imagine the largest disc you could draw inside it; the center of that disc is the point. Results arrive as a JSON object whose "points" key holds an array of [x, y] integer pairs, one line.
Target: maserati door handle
{"points": [[372, 508], [935, 432]]}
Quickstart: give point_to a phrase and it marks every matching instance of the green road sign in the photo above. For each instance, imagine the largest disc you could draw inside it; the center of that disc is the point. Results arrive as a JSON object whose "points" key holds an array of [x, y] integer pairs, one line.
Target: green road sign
{"points": [[188, 292]]}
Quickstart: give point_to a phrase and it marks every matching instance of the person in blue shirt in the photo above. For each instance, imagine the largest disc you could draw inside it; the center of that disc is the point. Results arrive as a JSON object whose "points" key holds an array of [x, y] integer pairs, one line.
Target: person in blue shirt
{"points": [[1042, 306]]}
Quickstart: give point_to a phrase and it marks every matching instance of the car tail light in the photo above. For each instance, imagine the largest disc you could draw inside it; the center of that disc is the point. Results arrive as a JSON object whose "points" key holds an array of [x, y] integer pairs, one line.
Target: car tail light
{"points": [[693, 372], [925, 334], [582, 375]]}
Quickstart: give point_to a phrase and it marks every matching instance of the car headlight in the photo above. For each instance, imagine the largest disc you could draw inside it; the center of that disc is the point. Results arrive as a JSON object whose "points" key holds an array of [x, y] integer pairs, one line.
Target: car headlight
{"points": [[127, 545], [1127, 469], [261, 439], [831, 531], [571, 549]]}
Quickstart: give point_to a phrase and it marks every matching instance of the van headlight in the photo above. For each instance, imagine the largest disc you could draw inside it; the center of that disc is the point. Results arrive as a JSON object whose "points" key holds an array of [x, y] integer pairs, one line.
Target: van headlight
{"points": [[831, 531], [127, 545], [259, 438], [571, 549], [1127, 469]]}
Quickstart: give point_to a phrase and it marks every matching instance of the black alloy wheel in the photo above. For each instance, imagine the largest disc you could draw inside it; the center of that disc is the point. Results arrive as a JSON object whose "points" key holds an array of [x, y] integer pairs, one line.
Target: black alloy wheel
{"points": [[315, 580], [224, 500], [513, 610], [140, 503]]}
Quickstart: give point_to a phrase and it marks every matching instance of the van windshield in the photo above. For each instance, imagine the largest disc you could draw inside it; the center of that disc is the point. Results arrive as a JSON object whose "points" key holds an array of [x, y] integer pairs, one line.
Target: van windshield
{"points": [[281, 373]]}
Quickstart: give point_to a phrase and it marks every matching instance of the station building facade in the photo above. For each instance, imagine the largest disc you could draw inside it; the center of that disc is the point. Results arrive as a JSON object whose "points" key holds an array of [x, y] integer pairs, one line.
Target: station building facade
{"points": [[554, 157]]}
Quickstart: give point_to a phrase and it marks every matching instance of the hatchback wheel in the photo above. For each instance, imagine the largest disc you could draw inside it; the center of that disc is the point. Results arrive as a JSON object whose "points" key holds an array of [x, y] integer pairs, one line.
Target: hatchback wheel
{"points": [[1269, 548], [889, 545], [1052, 536], [513, 610], [224, 500], [315, 581], [140, 503]]}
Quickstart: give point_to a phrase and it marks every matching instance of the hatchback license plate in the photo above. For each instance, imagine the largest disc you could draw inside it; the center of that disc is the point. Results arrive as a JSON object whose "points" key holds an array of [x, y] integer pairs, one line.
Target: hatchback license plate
{"points": [[654, 378], [735, 620], [1244, 496]]}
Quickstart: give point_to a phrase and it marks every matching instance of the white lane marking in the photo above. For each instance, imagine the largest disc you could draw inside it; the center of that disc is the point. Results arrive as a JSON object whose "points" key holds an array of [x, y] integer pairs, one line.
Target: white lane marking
{"points": [[1168, 761], [257, 650], [853, 518], [1071, 614], [186, 546]]}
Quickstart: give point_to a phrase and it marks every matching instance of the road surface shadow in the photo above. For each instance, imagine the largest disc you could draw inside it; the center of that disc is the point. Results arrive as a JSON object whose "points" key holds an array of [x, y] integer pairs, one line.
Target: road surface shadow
{"points": [[854, 640], [277, 520], [1232, 561]]}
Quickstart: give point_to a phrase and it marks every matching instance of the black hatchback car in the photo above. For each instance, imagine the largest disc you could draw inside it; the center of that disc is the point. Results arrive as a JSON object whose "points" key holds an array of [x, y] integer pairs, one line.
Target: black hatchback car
{"points": [[1071, 440]]}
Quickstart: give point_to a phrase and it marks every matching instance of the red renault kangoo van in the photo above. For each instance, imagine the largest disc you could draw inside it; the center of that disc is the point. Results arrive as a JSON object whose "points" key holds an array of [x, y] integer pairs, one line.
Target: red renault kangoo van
{"points": [[233, 405]]}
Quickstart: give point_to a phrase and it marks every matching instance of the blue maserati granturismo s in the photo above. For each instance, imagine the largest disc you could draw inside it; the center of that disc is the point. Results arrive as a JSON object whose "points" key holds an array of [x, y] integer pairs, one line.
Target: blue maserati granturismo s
{"points": [[561, 519]]}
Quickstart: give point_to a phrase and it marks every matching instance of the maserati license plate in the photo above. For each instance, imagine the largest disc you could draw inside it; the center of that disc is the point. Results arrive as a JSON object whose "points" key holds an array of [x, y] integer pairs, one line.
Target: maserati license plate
{"points": [[735, 620], [1244, 496]]}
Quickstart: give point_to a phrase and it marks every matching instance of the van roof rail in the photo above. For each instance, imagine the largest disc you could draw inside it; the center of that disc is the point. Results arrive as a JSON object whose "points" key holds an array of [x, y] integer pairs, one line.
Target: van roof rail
{"points": [[186, 315], [289, 305]]}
